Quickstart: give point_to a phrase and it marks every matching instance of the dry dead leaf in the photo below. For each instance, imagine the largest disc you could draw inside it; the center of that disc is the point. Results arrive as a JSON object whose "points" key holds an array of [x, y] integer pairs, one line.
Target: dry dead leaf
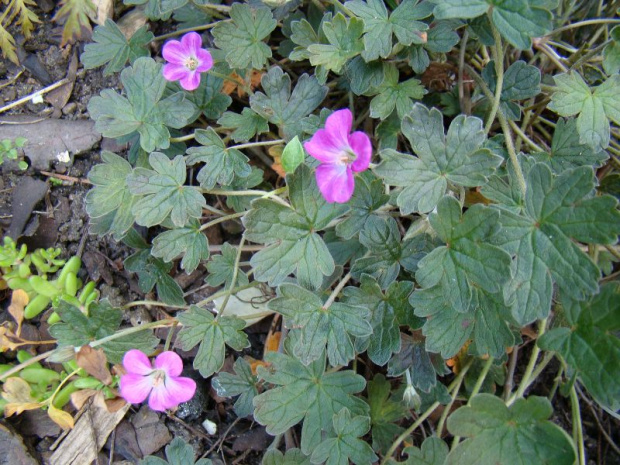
{"points": [[60, 417], [273, 342], [7, 340], [19, 300], [17, 394], [95, 363], [131, 22], [79, 398], [229, 86], [276, 153], [105, 10]]}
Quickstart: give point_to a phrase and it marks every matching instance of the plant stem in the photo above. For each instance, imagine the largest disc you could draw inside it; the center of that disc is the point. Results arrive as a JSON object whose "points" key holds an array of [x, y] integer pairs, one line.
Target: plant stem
{"points": [[577, 426], [225, 292], [179, 32], [447, 408], [183, 138], [525, 138], [511, 152], [457, 381], [525, 382], [587, 22], [221, 219], [332, 297], [499, 71], [257, 144], [234, 278]]}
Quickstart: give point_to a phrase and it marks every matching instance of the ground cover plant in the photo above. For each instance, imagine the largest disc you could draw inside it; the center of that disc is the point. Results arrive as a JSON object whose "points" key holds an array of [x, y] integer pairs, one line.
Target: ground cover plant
{"points": [[422, 196]]}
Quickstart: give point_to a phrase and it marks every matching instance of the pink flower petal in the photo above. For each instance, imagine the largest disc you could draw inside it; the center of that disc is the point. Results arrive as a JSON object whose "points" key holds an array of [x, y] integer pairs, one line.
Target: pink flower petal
{"points": [[170, 362], [323, 147], [135, 361], [205, 59], [174, 72], [175, 52], [362, 147], [338, 126], [335, 182], [135, 388], [174, 391], [192, 43], [190, 81]]}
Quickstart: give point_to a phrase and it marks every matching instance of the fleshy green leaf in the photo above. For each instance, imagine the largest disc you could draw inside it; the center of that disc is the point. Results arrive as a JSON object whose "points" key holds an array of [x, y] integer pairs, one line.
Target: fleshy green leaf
{"points": [[242, 37], [178, 452], [283, 108], [595, 108], [556, 210], [77, 329], [112, 47], [517, 21], [221, 164], [457, 157], [335, 326], [345, 446], [246, 125], [379, 27], [566, 150], [393, 94], [515, 435], [242, 384], [201, 327], [467, 261], [291, 233], [590, 346], [343, 35], [305, 393], [143, 110], [161, 192], [384, 412], [153, 272], [221, 269], [521, 81], [190, 242], [109, 203]]}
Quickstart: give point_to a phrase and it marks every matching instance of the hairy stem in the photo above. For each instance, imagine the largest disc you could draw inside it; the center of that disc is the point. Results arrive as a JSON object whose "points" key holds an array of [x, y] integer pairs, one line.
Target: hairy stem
{"points": [[499, 71], [577, 426], [234, 277]]}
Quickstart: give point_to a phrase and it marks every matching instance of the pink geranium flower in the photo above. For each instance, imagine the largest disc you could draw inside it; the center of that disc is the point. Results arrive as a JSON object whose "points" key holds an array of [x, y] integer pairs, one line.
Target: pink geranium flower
{"points": [[340, 153], [187, 59], [159, 382]]}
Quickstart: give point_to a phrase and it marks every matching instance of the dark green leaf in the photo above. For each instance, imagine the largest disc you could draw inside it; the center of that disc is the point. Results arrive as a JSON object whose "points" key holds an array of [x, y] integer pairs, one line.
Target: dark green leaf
{"points": [[221, 164], [208, 98], [242, 37], [521, 81], [143, 111], [291, 233], [246, 125], [112, 47], [335, 326], [161, 192], [292, 457], [178, 452], [242, 384], [283, 108], [457, 157], [364, 76], [345, 446], [221, 269], [109, 203], [155, 272], [305, 393], [189, 242], [394, 94], [200, 327], [433, 452], [384, 412], [590, 346], [515, 435], [343, 35]]}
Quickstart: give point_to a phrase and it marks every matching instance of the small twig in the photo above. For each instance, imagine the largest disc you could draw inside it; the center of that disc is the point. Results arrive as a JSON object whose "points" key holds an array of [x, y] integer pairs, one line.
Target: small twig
{"points": [[188, 427], [66, 178], [29, 97]]}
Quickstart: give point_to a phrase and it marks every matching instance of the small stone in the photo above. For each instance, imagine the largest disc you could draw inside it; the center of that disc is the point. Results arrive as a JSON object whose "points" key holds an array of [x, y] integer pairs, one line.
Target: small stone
{"points": [[69, 108]]}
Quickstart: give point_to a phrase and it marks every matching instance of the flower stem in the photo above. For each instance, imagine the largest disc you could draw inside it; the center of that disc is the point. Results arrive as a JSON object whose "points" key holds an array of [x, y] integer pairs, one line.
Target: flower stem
{"points": [[499, 83], [332, 297], [257, 144], [180, 32], [511, 152], [577, 426], [234, 277], [587, 22], [183, 138], [525, 382], [221, 219], [457, 381]]}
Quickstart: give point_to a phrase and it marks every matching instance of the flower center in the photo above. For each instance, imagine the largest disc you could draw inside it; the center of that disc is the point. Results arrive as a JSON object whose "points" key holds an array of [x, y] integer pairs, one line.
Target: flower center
{"points": [[158, 377], [347, 156], [191, 63]]}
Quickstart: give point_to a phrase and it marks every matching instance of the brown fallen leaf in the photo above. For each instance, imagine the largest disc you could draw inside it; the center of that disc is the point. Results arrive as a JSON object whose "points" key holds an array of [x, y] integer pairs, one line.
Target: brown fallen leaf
{"points": [[276, 153], [18, 396], [19, 300], [95, 363], [60, 417], [229, 86]]}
